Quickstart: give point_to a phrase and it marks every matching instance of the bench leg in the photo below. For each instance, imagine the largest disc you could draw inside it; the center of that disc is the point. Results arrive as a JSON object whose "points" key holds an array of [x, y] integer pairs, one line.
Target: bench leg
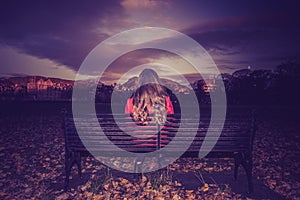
{"points": [[78, 162], [237, 163], [250, 181], [67, 180], [247, 164], [249, 176], [69, 162]]}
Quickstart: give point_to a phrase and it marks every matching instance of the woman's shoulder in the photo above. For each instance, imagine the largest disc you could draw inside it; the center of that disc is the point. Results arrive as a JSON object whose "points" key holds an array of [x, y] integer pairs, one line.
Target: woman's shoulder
{"points": [[167, 98]]}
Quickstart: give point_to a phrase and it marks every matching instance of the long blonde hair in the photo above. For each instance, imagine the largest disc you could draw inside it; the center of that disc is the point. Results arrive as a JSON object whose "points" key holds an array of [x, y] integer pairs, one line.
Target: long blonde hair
{"points": [[151, 94]]}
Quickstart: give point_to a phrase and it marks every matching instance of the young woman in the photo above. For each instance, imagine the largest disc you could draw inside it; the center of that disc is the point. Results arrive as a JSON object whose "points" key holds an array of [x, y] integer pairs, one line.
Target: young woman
{"points": [[150, 98]]}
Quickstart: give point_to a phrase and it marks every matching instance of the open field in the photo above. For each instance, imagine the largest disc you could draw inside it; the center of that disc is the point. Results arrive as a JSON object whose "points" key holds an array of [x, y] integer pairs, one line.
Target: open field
{"points": [[32, 163]]}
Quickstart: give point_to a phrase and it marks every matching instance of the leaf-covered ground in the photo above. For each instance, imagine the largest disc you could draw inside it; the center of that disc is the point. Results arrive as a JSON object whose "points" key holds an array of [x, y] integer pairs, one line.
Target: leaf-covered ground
{"points": [[32, 166]]}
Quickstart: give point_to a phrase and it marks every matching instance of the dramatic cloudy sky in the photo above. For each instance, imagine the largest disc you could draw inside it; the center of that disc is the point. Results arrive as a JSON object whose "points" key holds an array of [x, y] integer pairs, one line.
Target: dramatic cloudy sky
{"points": [[52, 38]]}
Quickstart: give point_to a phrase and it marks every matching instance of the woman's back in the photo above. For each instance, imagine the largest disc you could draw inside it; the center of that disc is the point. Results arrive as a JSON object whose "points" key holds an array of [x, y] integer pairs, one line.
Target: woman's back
{"points": [[149, 98]]}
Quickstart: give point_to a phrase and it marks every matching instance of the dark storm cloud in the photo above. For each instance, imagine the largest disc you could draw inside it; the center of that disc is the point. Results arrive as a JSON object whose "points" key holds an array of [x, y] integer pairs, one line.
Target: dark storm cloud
{"points": [[236, 33], [136, 58], [63, 31], [133, 59], [260, 39], [233, 31]]}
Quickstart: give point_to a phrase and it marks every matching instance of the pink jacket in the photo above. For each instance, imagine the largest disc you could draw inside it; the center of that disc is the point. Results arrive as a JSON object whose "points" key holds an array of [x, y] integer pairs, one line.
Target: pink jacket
{"points": [[129, 106]]}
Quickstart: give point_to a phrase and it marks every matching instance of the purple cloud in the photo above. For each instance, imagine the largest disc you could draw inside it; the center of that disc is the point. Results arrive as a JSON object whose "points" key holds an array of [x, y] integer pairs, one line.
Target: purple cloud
{"points": [[60, 31], [236, 34], [263, 40]]}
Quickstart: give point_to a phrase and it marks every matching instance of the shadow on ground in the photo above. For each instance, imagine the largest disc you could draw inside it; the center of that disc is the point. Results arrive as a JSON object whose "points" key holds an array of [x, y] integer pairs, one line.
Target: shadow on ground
{"points": [[188, 180], [239, 186]]}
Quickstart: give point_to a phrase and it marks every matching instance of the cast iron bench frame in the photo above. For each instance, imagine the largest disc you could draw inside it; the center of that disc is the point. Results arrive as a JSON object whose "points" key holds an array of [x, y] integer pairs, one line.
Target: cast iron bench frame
{"points": [[236, 141]]}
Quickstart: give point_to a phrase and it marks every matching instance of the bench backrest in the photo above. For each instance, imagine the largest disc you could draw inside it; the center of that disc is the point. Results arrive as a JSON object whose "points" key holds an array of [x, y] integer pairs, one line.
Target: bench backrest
{"points": [[122, 131]]}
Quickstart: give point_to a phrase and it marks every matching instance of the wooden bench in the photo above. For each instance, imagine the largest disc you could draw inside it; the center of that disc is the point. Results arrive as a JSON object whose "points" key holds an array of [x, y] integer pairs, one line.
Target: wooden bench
{"points": [[235, 141]]}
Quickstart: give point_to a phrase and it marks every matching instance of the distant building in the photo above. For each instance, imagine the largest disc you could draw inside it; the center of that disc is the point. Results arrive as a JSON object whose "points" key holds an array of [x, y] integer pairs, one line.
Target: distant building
{"points": [[44, 85], [31, 86], [206, 86], [210, 85], [43, 89]]}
